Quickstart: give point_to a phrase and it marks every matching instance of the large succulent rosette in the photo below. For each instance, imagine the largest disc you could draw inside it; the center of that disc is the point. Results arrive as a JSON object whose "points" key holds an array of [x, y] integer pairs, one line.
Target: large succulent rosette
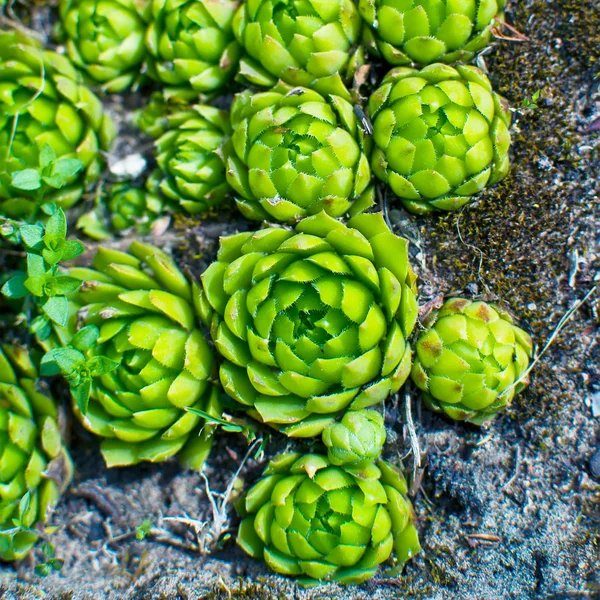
{"points": [[190, 158], [312, 321], [192, 47], [44, 101], [441, 135], [144, 309], [295, 153], [310, 519], [307, 43], [413, 31], [471, 360], [107, 39], [35, 466]]}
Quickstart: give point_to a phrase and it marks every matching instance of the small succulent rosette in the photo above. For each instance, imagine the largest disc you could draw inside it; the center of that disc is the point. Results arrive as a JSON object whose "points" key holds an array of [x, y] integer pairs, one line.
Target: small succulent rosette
{"points": [[295, 153], [35, 467], [44, 102], [125, 208], [441, 135], [471, 360], [192, 48], [318, 522], [408, 31], [309, 43], [313, 321], [107, 39], [356, 440], [191, 164], [140, 370]]}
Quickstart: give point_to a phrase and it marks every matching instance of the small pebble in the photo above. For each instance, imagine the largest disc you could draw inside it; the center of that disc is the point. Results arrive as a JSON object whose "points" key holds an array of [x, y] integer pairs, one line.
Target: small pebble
{"points": [[595, 398], [595, 464], [130, 167]]}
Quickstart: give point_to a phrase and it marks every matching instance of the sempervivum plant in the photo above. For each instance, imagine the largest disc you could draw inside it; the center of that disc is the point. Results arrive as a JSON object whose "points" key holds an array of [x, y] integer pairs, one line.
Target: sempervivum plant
{"points": [[192, 46], [471, 360], [35, 466], [311, 519], [133, 207], [313, 321], [441, 135], [141, 365], [106, 39], [356, 439], [190, 158], [302, 42], [44, 103], [294, 154], [412, 31]]}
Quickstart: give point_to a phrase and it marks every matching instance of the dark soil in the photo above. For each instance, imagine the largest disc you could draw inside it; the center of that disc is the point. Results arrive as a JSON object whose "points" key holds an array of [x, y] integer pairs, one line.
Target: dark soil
{"points": [[512, 511]]}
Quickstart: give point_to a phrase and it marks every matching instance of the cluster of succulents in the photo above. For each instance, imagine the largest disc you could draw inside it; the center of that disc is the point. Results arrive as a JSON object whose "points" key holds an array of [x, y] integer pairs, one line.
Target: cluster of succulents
{"points": [[303, 325]]}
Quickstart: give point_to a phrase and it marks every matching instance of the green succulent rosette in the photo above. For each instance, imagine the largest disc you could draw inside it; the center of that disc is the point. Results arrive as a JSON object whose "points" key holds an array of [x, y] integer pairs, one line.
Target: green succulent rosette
{"points": [[356, 440], [295, 153], [152, 118], [190, 158], [44, 101], [133, 207], [308, 43], [424, 32], [313, 321], [471, 360], [35, 466], [192, 47], [106, 39], [125, 208], [160, 365], [441, 135], [310, 519]]}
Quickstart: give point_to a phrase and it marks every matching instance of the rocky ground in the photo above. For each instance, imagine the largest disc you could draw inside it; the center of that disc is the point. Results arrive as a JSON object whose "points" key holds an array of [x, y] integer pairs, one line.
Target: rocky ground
{"points": [[512, 511]]}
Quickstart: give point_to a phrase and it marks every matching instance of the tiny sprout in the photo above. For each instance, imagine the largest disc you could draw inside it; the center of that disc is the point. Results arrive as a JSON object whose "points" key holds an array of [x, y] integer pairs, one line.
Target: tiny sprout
{"points": [[532, 103], [142, 531]]}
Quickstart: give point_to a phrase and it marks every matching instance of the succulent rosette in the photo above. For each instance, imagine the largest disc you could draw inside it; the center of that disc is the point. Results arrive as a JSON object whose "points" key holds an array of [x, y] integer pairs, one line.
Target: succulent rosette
{"points": [[135, 207], [318, 522], [44, 101], [192, 47], [141, 368], [441, 135], [313, 321], [356, 440], [471, 360], [190, 158], [294, 154], [307, 43], [413, 31], [106, 39], [35, 466]]}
